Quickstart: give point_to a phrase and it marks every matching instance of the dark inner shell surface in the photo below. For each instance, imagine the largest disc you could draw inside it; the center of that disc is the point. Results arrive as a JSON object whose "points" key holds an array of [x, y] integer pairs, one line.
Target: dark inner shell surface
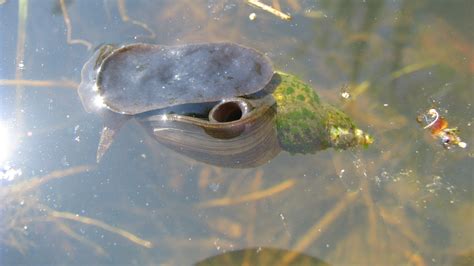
{"points": [[141, 77]]}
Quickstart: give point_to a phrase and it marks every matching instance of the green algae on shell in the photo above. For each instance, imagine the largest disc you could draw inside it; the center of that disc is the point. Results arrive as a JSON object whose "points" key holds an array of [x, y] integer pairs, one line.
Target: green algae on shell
{"points": [[306, 125]]}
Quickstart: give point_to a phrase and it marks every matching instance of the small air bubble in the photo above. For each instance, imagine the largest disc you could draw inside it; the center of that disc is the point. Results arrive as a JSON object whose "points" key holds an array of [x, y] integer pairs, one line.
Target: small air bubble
{"points": [[345, 95], [341, 173], [21, 65], [214, 187]]}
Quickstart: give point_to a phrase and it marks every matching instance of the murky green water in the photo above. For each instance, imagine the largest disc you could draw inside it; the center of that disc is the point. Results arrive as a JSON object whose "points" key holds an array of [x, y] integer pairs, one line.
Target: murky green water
{"points": [[405, 200]]}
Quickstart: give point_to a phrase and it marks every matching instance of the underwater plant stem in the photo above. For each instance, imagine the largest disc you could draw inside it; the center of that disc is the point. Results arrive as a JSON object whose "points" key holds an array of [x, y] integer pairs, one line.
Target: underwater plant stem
{"points": [[400, 224], [295, 5], [125, 18], [276, 4], [254, 196], [318, 228], [39, 83], [252, 215], [20, 57], [269, 9], [68, 231], [89, 221], [67, 22], [412, 68], [371, 213], [30, 184]]}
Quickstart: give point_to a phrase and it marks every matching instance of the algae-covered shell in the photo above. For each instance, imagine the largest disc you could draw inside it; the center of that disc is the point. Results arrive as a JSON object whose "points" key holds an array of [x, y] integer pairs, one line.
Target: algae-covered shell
{"points": [[138, 78], [305, 124]]}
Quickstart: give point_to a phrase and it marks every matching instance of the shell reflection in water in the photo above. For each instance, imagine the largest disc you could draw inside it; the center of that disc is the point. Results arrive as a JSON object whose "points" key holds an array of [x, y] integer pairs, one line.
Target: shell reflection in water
{"points": [[263, 257], [219, 103]]}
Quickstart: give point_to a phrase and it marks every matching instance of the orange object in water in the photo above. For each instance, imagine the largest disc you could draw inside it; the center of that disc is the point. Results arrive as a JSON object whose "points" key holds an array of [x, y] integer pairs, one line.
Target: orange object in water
{"points": [[439, 126]]}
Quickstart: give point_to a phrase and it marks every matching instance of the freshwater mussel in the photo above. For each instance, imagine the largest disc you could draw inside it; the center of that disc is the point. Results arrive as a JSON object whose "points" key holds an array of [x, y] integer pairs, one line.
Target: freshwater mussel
{"points": [[220, 103]]}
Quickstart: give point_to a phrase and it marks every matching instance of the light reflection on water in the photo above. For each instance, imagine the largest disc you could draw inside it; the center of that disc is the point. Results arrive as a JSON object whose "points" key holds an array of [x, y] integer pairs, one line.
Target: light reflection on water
{"points": [[404, 200], [5, 140]]}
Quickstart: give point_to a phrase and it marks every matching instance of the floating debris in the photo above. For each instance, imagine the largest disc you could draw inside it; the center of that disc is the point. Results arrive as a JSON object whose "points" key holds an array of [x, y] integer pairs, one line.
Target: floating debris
{"points": [[269, 9], [345, 94], [252, 16], [439, 129]]}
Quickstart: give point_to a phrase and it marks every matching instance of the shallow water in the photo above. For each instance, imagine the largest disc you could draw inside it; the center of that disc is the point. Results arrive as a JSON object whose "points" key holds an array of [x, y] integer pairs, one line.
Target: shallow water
{"points": [[405, 200]]}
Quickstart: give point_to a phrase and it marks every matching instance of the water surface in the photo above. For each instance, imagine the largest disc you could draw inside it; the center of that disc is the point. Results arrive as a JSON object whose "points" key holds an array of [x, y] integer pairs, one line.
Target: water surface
{"points": [[405, 200]]}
